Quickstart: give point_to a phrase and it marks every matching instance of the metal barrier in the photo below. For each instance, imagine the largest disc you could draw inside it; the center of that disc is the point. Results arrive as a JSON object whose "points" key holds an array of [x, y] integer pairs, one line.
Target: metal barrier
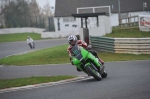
{"points": [[121, 45], [132, 45], [102, 43]]}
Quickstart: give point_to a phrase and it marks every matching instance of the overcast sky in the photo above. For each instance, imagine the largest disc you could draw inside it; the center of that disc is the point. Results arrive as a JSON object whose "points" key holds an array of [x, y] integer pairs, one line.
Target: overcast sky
{"points": [[43, 2]]}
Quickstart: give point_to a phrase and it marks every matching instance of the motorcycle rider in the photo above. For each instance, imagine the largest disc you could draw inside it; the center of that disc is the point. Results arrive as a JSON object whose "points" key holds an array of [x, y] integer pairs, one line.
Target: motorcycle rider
{"points": [[72, 39], [30, 40]]}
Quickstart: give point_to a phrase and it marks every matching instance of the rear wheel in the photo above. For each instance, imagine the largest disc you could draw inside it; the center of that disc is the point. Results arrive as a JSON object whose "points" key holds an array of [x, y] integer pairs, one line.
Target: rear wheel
{"points": [[93, 73]]}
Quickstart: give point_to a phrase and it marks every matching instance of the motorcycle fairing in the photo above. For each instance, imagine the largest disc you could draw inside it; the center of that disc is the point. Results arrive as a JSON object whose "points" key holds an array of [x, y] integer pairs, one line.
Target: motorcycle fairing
{"points": [[81, 55]]}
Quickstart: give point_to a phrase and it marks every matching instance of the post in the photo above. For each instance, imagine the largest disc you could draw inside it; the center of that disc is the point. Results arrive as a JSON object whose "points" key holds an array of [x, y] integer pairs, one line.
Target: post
{"points": [[86, 22], [49, 28], [97, 22], [119, 13], [58, 23], [81, 22]]}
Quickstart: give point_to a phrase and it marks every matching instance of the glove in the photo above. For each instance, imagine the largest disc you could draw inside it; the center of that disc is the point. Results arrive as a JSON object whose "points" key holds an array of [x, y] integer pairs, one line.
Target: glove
{"points": [[72, 62], [80, 44]]}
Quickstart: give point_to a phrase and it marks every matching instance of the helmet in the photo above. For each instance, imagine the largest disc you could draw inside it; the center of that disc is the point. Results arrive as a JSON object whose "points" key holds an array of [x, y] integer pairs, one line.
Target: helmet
{"points": [[28, 37], [72, 40]]}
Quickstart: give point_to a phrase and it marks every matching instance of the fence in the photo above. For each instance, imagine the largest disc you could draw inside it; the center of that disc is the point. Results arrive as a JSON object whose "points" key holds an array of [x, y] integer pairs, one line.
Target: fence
{"points": [[129, 21], [102, 43], [121, 45]]}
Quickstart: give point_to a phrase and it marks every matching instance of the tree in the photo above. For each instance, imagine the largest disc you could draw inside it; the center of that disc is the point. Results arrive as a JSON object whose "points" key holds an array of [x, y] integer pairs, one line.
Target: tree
{"points": [[49, 17], [47, 9], [15, 12], [23, 13]]}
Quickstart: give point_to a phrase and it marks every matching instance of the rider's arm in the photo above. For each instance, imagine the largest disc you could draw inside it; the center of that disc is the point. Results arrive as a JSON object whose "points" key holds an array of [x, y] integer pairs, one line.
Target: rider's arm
{"points": [[68, 50], [27, 40], [82, 43], [69, 54], [31, 39]]}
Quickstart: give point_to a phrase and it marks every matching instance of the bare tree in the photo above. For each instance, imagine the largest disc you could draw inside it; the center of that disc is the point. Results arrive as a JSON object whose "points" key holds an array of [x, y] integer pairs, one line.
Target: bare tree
{"points": [[47, 9], [34, 12]]}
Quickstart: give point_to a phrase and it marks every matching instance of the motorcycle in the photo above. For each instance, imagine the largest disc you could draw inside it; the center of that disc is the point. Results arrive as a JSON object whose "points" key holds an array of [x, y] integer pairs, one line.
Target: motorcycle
{"points": [[87, 62]]}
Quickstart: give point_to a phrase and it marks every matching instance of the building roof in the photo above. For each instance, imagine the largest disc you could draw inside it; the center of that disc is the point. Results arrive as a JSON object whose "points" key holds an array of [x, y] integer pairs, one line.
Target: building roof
{"points": [[88, 15], [64, 8]]}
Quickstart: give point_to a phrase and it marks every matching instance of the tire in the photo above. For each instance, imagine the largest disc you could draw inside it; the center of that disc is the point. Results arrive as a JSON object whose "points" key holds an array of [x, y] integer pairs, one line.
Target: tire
{"points": [[30, 45], [33, 45], [93, 73], [104, 75]]}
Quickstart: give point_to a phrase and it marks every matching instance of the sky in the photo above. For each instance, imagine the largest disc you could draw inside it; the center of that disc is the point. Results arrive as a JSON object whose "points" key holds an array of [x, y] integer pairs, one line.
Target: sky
{"points": [[43, 2]]}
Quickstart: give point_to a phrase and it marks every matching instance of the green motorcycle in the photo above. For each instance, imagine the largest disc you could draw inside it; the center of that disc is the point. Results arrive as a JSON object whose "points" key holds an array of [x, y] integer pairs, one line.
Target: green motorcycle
{"points": [[87, 62]]}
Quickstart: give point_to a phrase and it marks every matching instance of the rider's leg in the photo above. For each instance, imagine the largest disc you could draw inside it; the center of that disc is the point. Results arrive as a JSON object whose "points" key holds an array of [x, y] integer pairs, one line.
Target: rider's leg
{"points": [[95, 54]]}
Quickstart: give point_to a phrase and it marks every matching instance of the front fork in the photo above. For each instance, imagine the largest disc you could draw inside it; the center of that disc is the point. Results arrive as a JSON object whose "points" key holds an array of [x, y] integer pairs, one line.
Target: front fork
{"points": [[100, 68]]}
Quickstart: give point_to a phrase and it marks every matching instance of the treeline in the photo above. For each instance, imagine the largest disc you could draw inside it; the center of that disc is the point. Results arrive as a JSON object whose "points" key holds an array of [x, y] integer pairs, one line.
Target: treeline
{"points": [[24, 13]]}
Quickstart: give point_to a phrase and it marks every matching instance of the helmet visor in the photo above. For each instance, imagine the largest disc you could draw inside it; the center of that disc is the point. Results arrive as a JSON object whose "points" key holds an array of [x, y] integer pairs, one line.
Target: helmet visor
{"points": [[72, 43]]}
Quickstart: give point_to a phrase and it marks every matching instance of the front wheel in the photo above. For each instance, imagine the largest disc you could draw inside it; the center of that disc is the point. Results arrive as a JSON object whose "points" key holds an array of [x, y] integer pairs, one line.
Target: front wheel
{"points": [[93, 73], [30, 45], [104, 75]]}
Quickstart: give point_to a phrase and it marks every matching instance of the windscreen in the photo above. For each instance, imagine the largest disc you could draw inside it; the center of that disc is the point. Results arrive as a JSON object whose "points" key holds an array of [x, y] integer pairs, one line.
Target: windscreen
{"points": [[77, 52]]}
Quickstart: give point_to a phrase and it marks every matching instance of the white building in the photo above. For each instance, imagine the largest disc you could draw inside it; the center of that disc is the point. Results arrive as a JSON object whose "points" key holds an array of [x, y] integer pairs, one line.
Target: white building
{"points": [[65, 22]]}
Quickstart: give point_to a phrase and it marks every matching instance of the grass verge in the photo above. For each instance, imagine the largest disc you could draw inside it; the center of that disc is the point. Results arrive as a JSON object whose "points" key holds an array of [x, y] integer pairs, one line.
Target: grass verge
{"points": [[18, 37], [59, 54], [55, 55], [8, 83], [128, 33]]}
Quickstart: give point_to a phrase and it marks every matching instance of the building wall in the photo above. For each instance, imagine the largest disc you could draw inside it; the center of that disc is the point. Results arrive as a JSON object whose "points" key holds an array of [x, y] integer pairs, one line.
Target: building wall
{"points": [[65, 26], [21, 30], [74, 26], [114, 19]]}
